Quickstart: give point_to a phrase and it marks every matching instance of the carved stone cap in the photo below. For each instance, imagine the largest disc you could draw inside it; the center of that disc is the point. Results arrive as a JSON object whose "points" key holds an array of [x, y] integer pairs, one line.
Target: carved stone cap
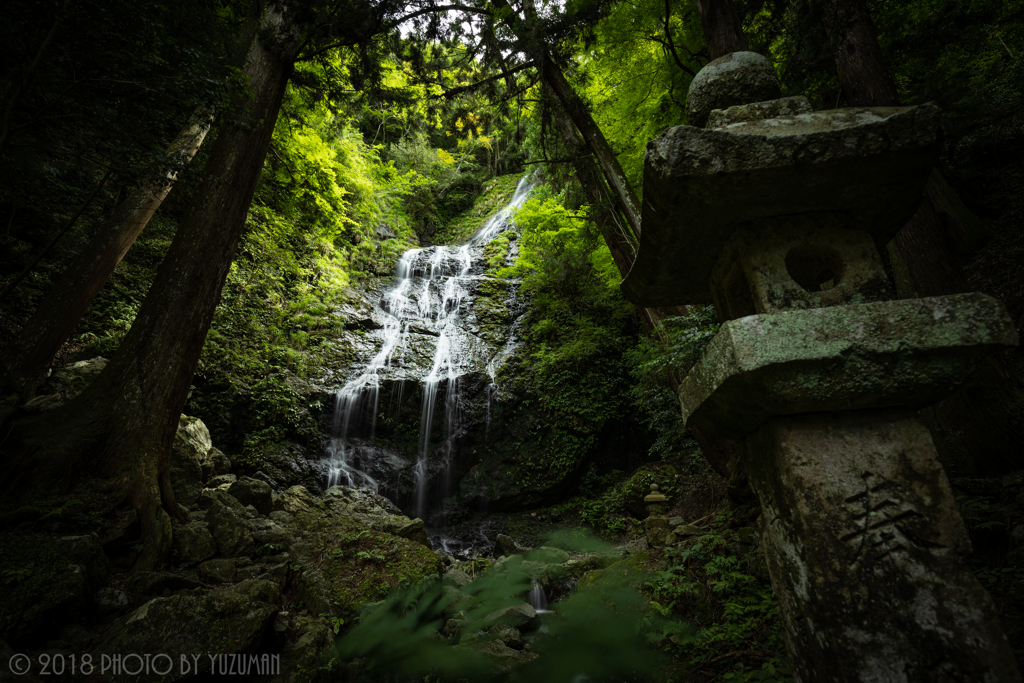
{"points": [[909, 352], [654, 496], [868, 166], [736, 78]]}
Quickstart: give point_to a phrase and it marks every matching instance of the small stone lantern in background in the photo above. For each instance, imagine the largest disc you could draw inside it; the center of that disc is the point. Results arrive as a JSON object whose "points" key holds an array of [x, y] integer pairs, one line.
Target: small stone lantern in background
{"points": [[657, 523]]}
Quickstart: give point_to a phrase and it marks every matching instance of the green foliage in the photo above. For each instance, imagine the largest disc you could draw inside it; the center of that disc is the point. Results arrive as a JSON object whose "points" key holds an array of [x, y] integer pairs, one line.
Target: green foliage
{"points": [[633, 79], [578, 328], [595, 635], [673, 350], [608, 512], [723, 590]]}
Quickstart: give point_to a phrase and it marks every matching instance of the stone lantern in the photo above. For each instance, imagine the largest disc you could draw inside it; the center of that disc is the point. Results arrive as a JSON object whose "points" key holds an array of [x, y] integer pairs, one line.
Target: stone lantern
{"points": [[656, 524], [776, 214]]}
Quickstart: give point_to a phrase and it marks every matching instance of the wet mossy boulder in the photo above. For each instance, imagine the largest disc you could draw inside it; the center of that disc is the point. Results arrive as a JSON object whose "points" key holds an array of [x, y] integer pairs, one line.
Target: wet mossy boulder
{"points": [[349, 551]]}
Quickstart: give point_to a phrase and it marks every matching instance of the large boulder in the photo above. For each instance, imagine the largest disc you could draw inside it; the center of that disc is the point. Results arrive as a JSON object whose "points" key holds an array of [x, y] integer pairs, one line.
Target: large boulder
{"points": [[191, 445], [374, 512], [295, 500], [230, 531], [349, 550], [187, 625], [267, 532], [214, 463], [249, 491], [310, 648], [48, 581], [193, 543]]}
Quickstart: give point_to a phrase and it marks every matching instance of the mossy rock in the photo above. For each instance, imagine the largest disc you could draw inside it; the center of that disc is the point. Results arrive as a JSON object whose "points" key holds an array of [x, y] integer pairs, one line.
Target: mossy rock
{"points": [[189, 625], [47, 581], [495, 196], [343, 567]]}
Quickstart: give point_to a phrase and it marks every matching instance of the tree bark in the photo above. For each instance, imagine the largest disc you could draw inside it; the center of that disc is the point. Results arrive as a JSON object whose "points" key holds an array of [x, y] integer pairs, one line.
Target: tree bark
{"points": [[862, 70], [122, 426], [723, 31], [975, 429], [577, 110], [70, 295], [724, 455]]}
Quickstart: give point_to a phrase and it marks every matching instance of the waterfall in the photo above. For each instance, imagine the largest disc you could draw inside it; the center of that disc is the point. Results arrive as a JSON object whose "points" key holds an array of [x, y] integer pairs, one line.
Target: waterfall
{"points": [[431, 296]]}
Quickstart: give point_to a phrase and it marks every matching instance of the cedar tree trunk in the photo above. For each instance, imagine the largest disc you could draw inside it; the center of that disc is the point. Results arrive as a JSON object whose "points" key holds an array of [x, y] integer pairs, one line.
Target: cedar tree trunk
{"points": [[70, 295], [723, 31], [122, 426], [976, 431]]}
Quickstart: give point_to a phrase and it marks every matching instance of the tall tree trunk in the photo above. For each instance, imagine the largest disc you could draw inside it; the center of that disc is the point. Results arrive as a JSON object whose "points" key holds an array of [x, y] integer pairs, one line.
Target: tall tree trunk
{"points": [[722, 28], [122, 426], [976, 430], [722, 454], [577, 110], [70, 295]]}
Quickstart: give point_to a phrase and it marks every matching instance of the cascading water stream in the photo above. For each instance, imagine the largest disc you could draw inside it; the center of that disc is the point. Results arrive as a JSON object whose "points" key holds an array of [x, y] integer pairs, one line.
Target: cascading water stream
{"points": [[432, 288]]}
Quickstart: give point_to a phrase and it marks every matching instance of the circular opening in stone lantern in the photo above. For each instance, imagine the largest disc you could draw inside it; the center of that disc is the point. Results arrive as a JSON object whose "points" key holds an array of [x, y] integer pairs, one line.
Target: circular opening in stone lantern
{"points": [[814, 267]]}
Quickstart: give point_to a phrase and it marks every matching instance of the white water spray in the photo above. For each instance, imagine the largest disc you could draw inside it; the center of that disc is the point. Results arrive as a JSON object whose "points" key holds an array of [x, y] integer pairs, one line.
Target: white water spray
{"points": [[436, 303]]}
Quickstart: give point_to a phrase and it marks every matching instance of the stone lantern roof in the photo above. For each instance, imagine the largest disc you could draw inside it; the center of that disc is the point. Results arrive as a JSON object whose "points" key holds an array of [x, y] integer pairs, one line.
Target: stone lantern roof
{"points": [[864, 166]]}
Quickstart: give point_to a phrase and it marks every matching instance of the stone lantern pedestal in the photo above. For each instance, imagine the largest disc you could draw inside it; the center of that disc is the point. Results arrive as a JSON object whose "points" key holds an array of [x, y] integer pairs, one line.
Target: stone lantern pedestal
{"points": [[778, 221]]}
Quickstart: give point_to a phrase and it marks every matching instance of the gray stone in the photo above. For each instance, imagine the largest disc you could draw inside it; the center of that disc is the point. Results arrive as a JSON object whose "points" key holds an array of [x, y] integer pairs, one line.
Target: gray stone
{"points": [[110, 601], [857, 519], [502, 658], [259, 590], [70, 380], [521, 616], [211, 497], [294, 499], [281, 517], [187, 625], [219, 570], [736, 78], [215, 463], [269, 533], [414, 530], [249, 491], [191, 444], [456, 577], [755, 111], [909, 352], [509, 636], [802, 261], [193, 543], [221, 480], [506, 545], [310, 648], [230, 531], [867, 166]]}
